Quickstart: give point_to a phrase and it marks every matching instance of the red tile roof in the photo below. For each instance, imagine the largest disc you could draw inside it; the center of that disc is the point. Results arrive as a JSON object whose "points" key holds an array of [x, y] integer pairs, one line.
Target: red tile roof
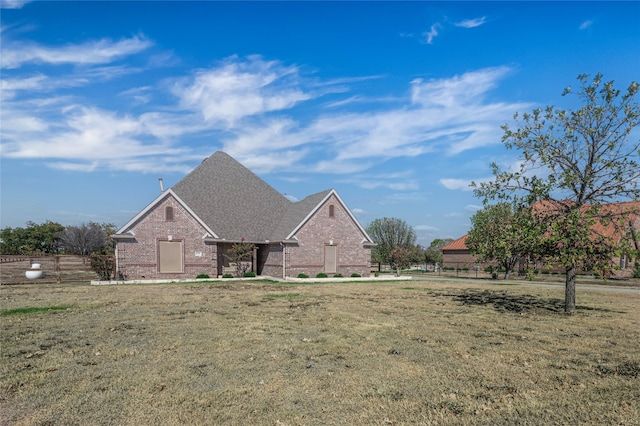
{"points": [[459, 244], [632, 208]]}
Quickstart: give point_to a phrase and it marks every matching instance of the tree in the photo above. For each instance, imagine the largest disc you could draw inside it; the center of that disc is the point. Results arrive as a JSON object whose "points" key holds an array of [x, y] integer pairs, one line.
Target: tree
{"points": [[83, 239], [35, 239], [400, 257], [504, 233], [240, 253], [432, 253], [109, 246], [574, 162], [389, 233]]}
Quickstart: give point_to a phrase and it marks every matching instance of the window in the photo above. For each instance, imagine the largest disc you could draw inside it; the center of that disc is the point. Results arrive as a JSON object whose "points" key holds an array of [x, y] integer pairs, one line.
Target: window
{"points": [[170, 257], [168, 213], [331, 210]]}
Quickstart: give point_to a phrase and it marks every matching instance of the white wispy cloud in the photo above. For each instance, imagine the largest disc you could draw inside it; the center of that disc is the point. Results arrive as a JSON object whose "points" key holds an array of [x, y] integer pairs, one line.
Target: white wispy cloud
{"points": [[102, 51], [456, 184], [240, 88], [464, 89], [249, 104], [425, 228], [401, 181], [13, 4], [453, 215], [586, 24], [432, 33], [471, 23]]}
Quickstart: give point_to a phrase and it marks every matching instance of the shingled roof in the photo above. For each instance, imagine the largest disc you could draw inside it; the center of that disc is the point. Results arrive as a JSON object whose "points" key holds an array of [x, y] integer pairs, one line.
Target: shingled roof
{"points": [[235, 203]]}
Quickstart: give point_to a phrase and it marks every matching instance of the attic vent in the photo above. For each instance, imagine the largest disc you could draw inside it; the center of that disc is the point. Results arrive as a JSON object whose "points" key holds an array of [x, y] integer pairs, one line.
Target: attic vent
{"points": [[168, 213], [331, 210]]}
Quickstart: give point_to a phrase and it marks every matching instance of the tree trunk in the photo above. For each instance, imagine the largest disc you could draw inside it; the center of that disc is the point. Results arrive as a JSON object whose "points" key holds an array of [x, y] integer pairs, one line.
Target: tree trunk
{"points": [[570, 290]]}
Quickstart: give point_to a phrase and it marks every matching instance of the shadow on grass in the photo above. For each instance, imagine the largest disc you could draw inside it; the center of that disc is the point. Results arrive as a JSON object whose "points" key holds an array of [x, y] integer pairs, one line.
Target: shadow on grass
{"points": [[503, 301]]}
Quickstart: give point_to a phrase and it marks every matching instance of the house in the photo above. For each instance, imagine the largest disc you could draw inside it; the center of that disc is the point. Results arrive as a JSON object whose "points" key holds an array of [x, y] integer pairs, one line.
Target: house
{"points": [[457, 255], [190, 229]]}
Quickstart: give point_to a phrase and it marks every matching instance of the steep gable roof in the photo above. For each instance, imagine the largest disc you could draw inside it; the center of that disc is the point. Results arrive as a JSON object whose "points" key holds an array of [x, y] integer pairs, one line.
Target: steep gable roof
{"points": [[124, 231], [296, 213], [231, 199], [303, 210], [232, 203]]}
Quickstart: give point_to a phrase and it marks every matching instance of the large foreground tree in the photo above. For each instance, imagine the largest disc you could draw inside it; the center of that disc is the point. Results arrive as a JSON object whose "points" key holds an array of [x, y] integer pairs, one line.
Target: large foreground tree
{"points": [[573, 163]]}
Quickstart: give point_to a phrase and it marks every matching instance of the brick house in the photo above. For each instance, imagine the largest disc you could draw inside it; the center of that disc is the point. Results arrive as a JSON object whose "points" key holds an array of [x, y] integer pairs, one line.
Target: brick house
{"points": [[190, 228], [457, 255]]}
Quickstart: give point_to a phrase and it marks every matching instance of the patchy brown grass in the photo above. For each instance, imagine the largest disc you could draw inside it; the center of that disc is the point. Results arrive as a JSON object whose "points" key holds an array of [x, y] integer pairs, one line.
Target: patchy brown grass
{"points": [[413, 352]]}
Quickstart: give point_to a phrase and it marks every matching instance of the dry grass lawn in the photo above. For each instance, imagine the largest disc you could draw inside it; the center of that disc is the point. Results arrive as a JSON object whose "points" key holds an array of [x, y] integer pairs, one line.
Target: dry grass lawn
{"points": [[394, 353]]}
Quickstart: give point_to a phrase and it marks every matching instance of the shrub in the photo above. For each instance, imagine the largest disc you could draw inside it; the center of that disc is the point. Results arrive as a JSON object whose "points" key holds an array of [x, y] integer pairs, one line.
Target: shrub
{"points": [[322, 275], [354, 275], [227, 276], [303, 276], [249, 274], [103, 265], [636, 271], [337, 276], [202, 276]]}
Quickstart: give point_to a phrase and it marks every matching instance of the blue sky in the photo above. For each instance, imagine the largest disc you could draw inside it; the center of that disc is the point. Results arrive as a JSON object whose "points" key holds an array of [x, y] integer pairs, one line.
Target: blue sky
{"points": [[396, 105]]}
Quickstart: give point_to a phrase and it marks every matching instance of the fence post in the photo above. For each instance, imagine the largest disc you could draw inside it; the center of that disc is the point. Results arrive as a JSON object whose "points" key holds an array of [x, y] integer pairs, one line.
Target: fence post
{"points": [[57, 267]]}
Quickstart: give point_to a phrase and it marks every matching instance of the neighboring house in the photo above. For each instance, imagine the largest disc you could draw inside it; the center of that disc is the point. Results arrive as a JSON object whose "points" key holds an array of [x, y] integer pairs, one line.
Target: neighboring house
{"points": [[190, 228], [457, 255]]}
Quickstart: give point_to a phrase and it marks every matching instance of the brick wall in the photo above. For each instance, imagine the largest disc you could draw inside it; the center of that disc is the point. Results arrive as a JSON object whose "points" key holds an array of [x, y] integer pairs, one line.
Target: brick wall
{"points": [[138, 258], [270, 257], [320, 230], [459, 259]]}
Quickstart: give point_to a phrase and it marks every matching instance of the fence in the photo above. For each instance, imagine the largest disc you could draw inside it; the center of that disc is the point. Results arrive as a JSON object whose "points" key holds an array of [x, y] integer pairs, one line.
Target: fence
{"points": [[456, 269], [56, 269]]}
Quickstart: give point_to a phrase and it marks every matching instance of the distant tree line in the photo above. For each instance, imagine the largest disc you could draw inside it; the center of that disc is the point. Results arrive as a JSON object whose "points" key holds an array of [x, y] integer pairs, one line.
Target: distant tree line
{"points": [[51, 238], [396, 244]]}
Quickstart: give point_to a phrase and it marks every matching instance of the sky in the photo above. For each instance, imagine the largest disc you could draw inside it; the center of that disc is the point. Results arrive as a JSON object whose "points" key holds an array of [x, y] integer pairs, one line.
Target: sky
{"points": [[395, 105]]}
